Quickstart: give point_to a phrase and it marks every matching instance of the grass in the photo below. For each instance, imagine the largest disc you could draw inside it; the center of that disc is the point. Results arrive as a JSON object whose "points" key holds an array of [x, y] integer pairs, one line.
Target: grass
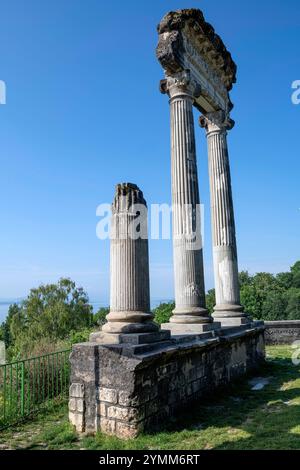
{"points": [[239, 418]]}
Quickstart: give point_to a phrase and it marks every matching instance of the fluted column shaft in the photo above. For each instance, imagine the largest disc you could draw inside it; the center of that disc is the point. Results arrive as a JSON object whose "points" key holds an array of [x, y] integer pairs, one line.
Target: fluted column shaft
{"points": [[187, 245], [129, 275], [222, 218]]}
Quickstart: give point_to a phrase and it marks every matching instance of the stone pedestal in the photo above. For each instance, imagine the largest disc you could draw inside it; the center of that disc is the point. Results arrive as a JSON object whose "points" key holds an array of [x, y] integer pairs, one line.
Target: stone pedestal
{"points": [[124, 390], [227, 309], [129, 277], [190, 314]]}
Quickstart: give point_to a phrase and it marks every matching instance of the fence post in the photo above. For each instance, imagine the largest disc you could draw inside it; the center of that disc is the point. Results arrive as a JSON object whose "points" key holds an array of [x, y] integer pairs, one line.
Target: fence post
{"points": [[4, 393], [22, 389]]}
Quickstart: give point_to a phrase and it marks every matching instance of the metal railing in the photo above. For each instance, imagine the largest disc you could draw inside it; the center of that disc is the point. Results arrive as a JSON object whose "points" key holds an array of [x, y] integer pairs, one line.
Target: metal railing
{"points": [[28, 385]]}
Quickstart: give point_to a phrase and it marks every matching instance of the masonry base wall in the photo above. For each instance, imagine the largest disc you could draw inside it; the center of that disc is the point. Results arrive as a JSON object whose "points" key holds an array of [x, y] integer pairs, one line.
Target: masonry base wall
{"points": [[124, 390], [282, 332]]}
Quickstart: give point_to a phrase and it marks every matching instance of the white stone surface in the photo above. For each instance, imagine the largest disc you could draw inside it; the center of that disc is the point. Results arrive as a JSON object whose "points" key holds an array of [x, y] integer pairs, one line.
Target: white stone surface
{"points": [[228, 309], [187, 255], [129, 264]]}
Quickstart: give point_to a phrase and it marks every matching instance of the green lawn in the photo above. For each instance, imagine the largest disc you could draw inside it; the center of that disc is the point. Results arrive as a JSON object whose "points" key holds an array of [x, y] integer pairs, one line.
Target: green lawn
{"points": [[237, 419]]}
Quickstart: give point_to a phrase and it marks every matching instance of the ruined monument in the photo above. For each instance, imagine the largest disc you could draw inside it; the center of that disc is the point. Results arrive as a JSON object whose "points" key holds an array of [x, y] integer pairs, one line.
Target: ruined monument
{"points": [[129, 274], [131, 376], [199, 71]]}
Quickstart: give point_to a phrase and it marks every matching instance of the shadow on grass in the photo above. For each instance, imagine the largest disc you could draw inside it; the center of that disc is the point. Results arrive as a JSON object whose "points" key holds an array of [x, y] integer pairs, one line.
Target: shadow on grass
{"points": [[264, 419]]}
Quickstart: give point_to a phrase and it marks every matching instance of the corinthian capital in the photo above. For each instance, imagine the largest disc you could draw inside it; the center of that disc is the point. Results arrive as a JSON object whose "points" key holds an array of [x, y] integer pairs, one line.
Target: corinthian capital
{"points": [[180, 83], [217, 121]]}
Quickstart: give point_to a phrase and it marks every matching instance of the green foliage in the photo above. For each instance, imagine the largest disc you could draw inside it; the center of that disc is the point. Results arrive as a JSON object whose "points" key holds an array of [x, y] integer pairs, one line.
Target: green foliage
{"points": [[163, 312], [295, 270], [62, 433], [270, 297], [79, 336], [274, 306], [99, 317], [48, 315], [13, 323], [250, 301], [244, 278], [284, 280], [293, 304], [264, 296], [5, 334], [211, 300]]}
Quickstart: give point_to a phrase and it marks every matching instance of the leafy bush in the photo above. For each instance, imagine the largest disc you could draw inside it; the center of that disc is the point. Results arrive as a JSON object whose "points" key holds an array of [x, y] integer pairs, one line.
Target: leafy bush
{"points": [[46, 317], [274, 306], [269, 297], [163, 312], [293, 304], [211, 300], [99, 317], [80, 336]]}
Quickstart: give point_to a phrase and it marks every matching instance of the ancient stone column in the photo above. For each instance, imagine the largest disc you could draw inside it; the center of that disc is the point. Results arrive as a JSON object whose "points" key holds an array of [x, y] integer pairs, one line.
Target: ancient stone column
{"points": [[129, 270], [190, 314], [227, 309]]}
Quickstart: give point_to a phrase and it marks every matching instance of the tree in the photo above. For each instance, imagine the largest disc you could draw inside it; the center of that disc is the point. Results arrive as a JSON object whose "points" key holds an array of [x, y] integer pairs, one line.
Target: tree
{"points": [[251, 302], [99, 317], [274, 306], [244, 278], [163, 312], [295, 270], [12, 325], [254, 294], [293, 304], [211, 300], [51, 311], [16, 322], [284, 280]]}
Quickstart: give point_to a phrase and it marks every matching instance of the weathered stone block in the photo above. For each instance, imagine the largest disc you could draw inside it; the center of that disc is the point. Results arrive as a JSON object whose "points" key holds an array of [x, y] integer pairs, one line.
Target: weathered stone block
{"points": [[76, 390], [107, 426], [102, 409], [124, 414], [77, 420], [80, 405], [72, 404], [108, 394], [127, 399], [127, 431]]}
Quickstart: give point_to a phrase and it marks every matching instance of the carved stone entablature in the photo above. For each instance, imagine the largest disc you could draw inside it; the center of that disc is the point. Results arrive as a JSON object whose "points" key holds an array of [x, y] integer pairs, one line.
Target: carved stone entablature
{"points": [[188, 42], [217, 121]]}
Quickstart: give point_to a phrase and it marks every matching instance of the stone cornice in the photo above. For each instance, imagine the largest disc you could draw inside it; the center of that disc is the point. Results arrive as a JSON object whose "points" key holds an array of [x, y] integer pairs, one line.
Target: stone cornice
{"points": [[176, 26]]}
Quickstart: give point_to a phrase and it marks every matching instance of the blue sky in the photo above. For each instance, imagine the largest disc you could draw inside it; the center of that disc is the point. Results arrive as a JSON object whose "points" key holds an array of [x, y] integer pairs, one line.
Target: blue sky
{"points": [[84, 112]]}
